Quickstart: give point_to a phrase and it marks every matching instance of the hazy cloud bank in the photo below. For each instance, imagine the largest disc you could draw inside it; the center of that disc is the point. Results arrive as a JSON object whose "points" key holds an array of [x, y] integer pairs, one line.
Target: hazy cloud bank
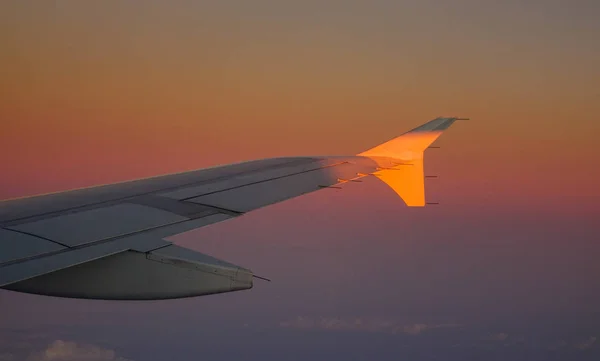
{"points": [[361, 324], [71, 351], [586, 344]]}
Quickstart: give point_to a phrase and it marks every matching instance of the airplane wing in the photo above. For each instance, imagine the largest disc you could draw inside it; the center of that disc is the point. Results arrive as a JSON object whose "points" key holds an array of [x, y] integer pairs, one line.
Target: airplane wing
{"points": [[108, 242]]}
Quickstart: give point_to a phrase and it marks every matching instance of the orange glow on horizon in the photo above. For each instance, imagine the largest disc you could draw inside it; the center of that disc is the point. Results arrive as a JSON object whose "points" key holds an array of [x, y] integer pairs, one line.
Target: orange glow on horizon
{"points": [[109, 91]]}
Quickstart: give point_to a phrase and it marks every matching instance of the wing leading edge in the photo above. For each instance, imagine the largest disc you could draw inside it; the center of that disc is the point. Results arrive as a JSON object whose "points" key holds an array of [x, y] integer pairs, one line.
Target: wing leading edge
{"points": [[108, 242]]}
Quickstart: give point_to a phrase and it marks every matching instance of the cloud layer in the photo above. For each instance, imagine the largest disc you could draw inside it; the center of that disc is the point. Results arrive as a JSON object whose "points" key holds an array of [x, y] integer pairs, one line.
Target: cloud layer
{"points": [[71, 351], [361, 324], [586, 344]]}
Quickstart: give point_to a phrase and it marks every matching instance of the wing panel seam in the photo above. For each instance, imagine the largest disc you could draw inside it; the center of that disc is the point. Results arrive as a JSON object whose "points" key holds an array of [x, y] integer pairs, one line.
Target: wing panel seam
{"points": [[13, 221], [258, 182], [94, 243], [36, 236]]}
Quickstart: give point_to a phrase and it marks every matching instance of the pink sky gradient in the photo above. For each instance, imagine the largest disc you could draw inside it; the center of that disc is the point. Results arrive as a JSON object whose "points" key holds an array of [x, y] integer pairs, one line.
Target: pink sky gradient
{"points": [[99, 92]]}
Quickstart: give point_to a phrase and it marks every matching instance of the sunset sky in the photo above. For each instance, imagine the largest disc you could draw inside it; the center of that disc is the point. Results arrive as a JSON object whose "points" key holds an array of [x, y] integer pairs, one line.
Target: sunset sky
{"points": [[506, 266]]}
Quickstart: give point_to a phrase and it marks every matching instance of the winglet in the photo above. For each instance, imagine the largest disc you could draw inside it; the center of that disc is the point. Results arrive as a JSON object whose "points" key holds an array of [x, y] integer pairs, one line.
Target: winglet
{"points": [[408, 148], [411, 144]]}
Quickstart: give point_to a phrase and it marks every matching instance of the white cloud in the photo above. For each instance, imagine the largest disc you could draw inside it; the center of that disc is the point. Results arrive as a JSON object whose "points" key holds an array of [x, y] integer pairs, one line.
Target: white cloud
{"points": [[70, 351], [558, 345], [496, 337], [585, 344], [415, 329], [562, 343], [360, 324]]}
